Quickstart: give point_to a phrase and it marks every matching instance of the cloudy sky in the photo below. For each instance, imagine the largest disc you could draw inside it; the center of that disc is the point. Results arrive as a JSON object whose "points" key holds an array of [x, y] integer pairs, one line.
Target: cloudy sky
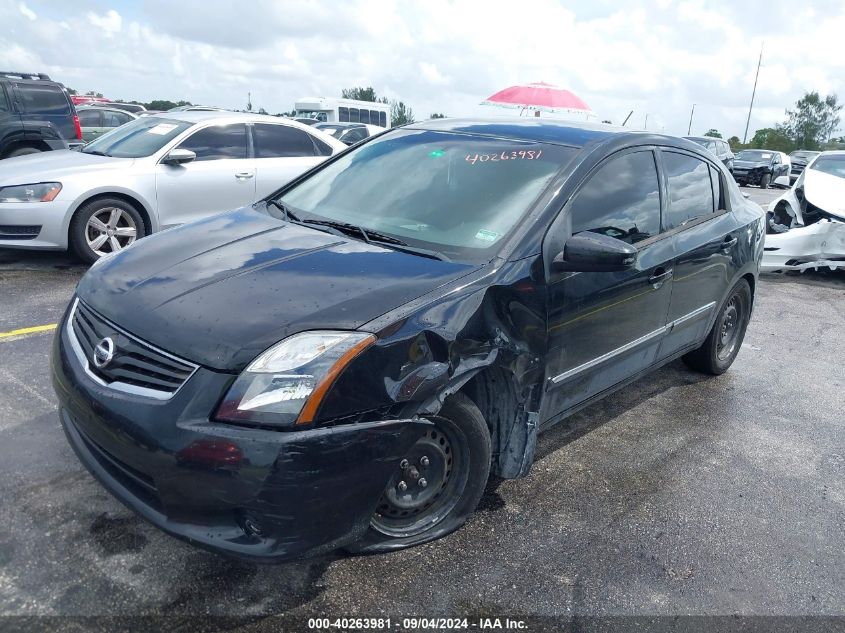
{"points": [[656, 57]]}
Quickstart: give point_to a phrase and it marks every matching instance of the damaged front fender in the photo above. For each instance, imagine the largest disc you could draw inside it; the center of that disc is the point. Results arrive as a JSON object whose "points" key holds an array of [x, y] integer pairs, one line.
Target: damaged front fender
{"points": [[486, 340]]}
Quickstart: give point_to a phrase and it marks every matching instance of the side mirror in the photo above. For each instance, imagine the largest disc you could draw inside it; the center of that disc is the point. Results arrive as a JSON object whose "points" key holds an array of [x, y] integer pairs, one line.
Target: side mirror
{"points": [[179, 156], [594, 252]]}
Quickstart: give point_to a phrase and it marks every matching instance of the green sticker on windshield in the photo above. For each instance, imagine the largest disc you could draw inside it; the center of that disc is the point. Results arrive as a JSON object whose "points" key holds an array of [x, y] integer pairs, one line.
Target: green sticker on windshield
{"points": [[486, 236]]}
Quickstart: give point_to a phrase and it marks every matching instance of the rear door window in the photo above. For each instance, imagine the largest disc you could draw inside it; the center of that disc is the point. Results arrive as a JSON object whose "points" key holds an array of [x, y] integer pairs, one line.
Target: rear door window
{"points": [[690, 189], [89, 118], [218, 142], [621, 200], [5, 106], [277, 141], [43, 99], [115, 119]]}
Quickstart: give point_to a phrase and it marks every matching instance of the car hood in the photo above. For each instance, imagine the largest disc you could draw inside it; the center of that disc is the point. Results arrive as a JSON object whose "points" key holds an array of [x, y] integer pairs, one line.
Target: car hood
{"points": [[50, 166], [825, 191], [750, 164], [220, 291]]}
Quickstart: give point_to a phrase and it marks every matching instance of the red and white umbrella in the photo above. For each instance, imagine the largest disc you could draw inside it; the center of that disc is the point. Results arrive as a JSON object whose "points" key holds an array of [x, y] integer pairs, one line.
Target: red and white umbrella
{"points": [[539, 96]]}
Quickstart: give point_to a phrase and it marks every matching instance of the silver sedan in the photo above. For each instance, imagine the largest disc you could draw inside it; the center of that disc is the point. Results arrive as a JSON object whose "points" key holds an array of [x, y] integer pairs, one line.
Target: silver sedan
{"points": [[150, 174]]}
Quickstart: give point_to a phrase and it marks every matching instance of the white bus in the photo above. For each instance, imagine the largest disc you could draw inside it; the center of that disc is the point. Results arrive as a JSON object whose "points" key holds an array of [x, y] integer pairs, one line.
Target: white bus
{"points": [[331, 110]]}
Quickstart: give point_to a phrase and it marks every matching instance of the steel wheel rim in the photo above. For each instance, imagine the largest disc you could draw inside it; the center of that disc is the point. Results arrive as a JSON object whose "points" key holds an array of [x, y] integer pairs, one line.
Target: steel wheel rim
{"points": [[109, 230], [729, 328], [409, 512]]}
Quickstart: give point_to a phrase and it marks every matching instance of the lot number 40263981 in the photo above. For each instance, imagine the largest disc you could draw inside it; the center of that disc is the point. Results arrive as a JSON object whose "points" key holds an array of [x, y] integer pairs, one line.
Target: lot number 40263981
{"points": [[522, 154]]}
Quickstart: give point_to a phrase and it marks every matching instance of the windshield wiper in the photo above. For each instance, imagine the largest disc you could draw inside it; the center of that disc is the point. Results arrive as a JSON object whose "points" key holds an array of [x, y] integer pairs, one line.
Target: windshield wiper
{"points": [[95, 152], [374, 237], [289, 215]]}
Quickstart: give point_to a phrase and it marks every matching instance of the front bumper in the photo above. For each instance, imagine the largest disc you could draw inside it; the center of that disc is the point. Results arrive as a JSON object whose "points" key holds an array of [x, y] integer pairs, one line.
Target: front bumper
{"points": [[18, 219], [249, 493], [750, 176]]}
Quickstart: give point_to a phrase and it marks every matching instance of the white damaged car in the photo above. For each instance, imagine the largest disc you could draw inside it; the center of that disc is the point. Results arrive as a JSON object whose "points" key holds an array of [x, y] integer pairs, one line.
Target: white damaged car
{"points": [[806, 225]]}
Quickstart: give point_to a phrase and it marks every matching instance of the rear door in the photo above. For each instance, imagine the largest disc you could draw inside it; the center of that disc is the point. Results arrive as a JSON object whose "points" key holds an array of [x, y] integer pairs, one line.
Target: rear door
{"points": [[10, 121], [605, 327], [221, 178], [704, 236], [91, 122], [282, 152], [43, 101]]}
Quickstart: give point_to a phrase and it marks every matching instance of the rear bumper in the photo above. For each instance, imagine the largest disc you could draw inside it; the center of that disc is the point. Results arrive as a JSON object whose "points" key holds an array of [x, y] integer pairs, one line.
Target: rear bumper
{"points": [[249, 493]]}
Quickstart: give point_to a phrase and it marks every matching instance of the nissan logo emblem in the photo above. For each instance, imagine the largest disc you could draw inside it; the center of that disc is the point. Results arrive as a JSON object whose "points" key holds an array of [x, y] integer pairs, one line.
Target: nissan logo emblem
{"points": [[103, 353]]}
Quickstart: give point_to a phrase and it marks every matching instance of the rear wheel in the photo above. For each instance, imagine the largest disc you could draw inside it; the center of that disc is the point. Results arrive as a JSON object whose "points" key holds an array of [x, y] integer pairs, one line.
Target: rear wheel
{"points": [[104, 226], [438, 483], [23, 151], [722, 344]]}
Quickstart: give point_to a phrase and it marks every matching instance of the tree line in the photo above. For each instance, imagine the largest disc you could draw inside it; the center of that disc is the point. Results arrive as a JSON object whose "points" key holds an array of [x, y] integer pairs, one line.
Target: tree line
{"points": [[810, 125]]}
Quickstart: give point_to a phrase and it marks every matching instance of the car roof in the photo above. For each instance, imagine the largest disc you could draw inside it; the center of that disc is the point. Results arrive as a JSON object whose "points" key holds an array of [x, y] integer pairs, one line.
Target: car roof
{"points": [[544, 130], [105, 106], [198, 116], [323, 124], [705, 138]]}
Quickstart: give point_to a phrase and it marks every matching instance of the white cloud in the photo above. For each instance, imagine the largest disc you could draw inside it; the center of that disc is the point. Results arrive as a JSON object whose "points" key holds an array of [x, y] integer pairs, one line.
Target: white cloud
{"points": [[27, 12], [655, 57], [109, 23]]}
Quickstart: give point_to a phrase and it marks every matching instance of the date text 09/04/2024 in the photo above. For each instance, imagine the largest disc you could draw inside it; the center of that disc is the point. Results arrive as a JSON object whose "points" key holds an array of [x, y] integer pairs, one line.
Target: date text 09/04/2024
{"points": [[415, 623]]}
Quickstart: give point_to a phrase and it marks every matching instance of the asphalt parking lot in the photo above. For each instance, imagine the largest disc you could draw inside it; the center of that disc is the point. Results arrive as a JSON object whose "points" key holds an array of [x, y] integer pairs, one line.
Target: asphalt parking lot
{"points": [[681, 494]]}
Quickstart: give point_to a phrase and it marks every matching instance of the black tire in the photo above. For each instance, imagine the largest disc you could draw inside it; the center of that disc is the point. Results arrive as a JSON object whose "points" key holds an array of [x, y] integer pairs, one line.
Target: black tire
{"points": [[79, 229], [765, 179], [23, 151], [461, 436], [722, 344]]}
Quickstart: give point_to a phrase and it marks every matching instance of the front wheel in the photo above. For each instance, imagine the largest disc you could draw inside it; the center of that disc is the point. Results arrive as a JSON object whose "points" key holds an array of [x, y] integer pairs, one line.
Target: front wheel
{"points": [[437, 485], [765, 180], [722, 344], [104, 226]]}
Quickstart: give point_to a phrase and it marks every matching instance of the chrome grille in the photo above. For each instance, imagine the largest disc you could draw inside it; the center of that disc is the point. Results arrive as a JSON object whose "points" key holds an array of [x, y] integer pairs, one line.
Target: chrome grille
{"points": [[134, 367]]}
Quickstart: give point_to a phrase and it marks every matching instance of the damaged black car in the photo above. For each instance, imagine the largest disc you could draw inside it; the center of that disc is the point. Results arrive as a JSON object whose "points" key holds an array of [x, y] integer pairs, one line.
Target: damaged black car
{"points": [[344, 364]]}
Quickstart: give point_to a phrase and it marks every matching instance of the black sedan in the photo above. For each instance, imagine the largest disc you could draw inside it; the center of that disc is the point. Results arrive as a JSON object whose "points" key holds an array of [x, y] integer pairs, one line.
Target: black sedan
{"points": [[345, 363]]}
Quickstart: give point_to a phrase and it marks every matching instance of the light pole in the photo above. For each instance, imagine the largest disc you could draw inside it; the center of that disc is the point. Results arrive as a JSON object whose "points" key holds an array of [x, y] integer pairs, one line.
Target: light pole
{"points": [[753, 92], [689, 127]]}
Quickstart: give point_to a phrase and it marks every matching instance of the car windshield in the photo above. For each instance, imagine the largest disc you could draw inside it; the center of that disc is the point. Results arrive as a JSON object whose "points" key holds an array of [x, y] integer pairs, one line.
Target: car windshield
{"points": [[754, 154], [141, 137], [456, 194], [833, 165], [803, 155]]}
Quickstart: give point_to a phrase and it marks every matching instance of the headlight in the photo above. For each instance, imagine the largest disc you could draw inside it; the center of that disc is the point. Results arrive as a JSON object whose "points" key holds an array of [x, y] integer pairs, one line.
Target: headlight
{"points": [[285, 385], [39, 192]]}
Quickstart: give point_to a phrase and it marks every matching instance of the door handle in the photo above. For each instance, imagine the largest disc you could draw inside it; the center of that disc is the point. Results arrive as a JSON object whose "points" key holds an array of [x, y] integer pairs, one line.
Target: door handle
{"points": [[729, 243], [659, 277], [244, 175]]}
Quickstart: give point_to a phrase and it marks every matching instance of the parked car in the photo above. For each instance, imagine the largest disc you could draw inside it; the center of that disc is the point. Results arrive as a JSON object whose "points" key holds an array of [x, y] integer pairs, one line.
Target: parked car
{"points": [[799, 160], [349, 133], [134, 108], [806, 225], [720, 148], [87, 99], [151, 173], [36, 115], [96, 120], [343, 363], [761, 167]]}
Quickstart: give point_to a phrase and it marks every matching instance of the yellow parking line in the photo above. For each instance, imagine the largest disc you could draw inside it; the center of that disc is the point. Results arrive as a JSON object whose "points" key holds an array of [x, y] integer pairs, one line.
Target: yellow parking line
{"points": [[29, 330]]}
